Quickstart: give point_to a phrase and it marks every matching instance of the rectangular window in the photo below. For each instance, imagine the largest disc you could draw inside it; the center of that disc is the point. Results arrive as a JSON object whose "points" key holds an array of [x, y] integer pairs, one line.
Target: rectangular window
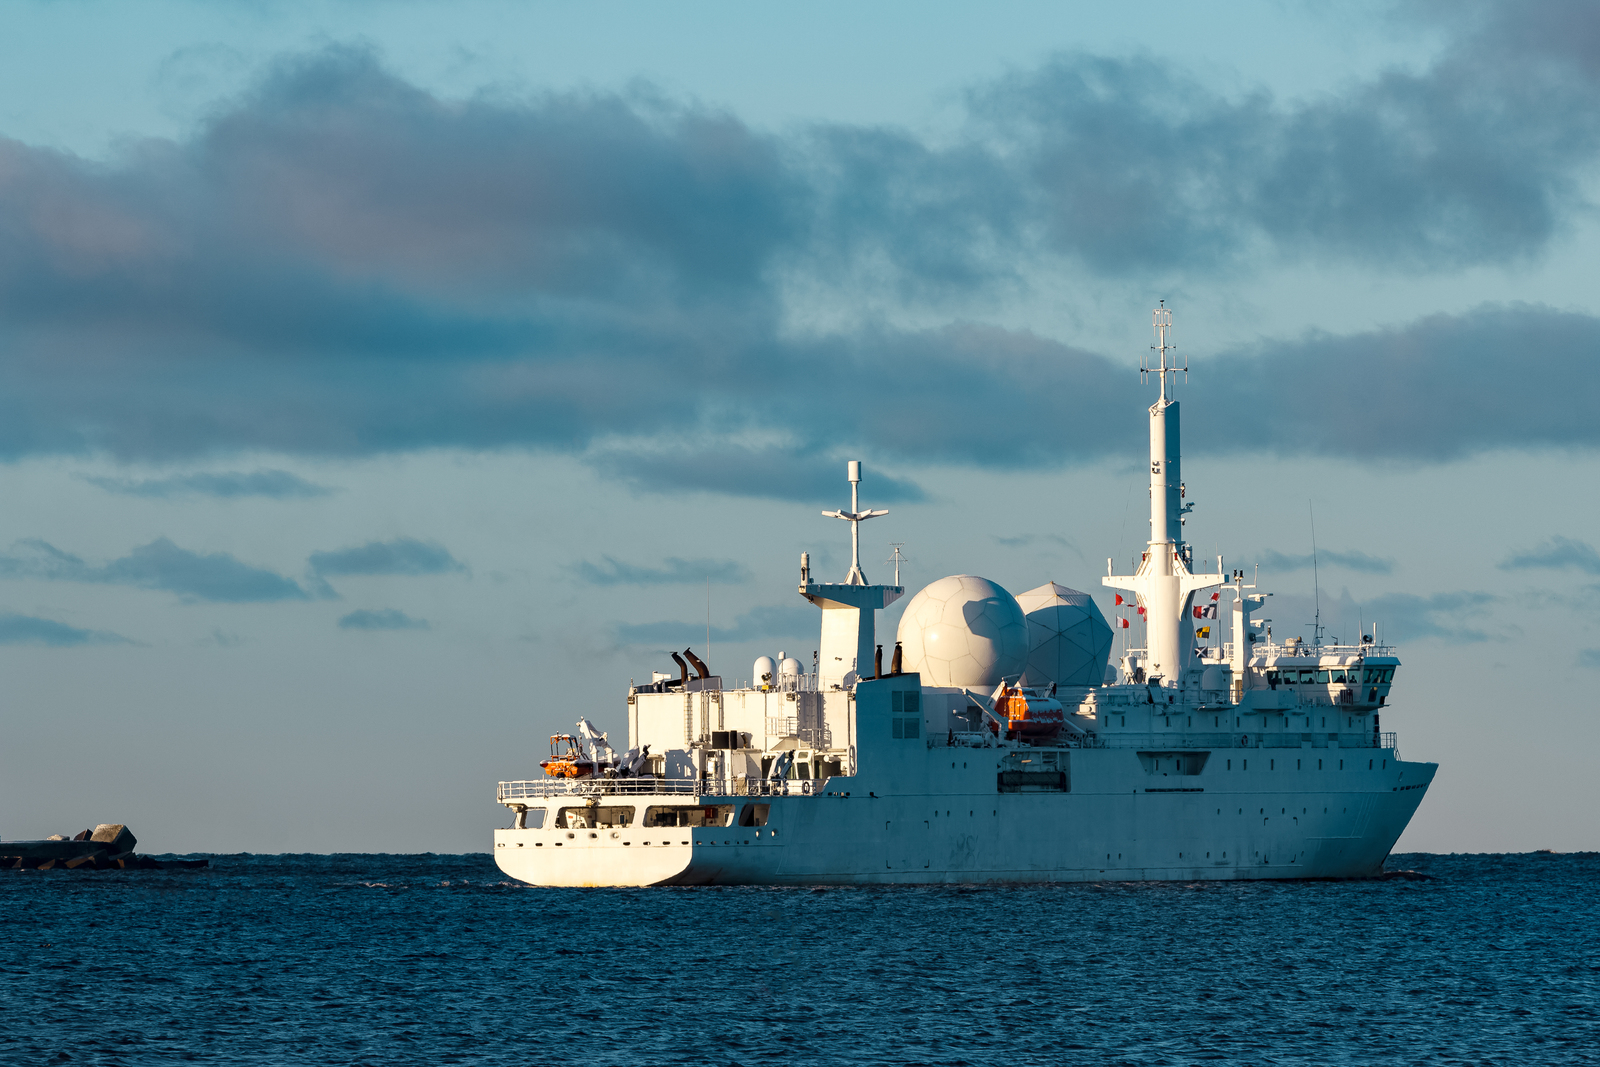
{"points": [[1322, 676], [1388, 674], [1305, 677], [913, 726], [899, 725], [898, 700], [914, 703], [685, 815], [594, 818]]}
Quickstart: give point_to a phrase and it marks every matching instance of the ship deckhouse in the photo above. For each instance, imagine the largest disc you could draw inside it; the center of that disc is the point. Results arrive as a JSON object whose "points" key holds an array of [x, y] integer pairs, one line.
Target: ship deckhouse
{"points": [[997, 743]]}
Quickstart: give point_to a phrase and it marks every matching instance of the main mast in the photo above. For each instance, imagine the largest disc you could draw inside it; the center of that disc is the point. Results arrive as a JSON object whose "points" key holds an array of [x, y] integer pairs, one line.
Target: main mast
{"points": [[1163, 582]]}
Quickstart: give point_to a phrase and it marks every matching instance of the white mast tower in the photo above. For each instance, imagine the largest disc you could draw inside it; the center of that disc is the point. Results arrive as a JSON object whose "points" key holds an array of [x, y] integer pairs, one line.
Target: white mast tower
{"points": [[1163, 583], [849, 608]]}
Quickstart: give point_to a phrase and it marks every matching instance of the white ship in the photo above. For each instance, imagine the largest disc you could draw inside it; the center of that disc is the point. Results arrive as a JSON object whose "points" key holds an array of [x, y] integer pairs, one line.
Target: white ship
{"points": [[999, 745]]}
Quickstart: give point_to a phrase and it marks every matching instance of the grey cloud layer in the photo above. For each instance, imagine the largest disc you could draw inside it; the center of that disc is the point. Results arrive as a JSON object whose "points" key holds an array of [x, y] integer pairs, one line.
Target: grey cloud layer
{"points": [[382, 619], [219, 577], [1558, 553], [402, 555], [340, 263], [194, 576], [32, 630], [228, 485]]}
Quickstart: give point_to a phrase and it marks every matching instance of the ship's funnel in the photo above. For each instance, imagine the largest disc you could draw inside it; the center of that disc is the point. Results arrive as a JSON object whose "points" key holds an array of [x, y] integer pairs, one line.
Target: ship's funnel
{"points": [[699, 665]]}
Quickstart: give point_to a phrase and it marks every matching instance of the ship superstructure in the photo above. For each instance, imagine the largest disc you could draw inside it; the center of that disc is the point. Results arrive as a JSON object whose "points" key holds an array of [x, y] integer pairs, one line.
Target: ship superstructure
{"points": [[998, 743]]}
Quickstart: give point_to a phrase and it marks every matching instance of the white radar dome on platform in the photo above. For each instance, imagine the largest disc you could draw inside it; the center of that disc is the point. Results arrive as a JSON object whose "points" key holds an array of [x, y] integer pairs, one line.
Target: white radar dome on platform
{"points": [[964, 631], [1069, 640], [790, 667], [764, 672]]}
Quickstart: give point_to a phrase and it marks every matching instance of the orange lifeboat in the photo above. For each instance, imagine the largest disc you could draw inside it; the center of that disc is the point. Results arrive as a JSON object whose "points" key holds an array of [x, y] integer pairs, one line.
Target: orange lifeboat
{"points": [[1030, 714], [568, 762]]}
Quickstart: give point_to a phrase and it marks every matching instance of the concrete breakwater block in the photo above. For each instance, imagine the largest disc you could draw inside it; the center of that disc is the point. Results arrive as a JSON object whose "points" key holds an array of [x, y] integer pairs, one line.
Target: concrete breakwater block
{"points": [[107, 847]]}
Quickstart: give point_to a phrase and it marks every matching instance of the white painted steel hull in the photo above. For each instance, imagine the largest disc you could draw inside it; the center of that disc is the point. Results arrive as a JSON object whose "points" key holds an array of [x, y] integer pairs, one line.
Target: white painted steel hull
{"points": [[1118, 823]]}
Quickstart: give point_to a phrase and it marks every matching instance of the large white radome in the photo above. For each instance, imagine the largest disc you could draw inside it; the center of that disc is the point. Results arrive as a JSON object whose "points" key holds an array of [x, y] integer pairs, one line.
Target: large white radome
{"points": [[964, 631], [1069, 641]]}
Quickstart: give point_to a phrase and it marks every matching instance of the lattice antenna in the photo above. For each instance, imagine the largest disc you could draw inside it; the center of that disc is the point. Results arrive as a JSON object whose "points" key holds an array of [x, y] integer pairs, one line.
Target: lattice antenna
{"points": [[1160, 365]]}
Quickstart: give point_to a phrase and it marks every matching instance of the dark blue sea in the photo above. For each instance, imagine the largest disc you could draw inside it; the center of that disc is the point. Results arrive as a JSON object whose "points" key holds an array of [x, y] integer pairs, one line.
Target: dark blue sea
{"points": [[438, 959]]}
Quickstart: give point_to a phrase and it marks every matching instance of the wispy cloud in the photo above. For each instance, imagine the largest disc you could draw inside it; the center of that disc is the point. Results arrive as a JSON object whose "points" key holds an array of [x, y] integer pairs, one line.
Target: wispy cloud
{"points": [[31, 630], [1455, 616], [1558, 553], [194, 576], [275, 484], [803, 474], [400, 556], [777, 623], [1352, 561], [673, 571], [382, 619]]}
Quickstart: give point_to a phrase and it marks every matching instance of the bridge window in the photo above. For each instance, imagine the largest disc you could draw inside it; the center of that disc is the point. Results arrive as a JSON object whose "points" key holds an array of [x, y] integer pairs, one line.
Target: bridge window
{"points": [[1322, 676]]}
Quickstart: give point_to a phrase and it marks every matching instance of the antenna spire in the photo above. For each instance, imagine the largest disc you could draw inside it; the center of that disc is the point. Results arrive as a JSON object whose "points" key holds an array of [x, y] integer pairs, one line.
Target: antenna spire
{"points": [[855, 517], [897, 558]]}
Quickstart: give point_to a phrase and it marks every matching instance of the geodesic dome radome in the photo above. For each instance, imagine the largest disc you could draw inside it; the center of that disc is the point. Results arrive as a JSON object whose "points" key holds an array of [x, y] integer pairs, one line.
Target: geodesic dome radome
{"points": [[1069, 641], [963, 631]]}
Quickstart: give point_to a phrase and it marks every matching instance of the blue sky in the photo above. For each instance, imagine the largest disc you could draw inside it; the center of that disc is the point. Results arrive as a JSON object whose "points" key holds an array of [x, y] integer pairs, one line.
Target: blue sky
{"points": [[380, 384]]}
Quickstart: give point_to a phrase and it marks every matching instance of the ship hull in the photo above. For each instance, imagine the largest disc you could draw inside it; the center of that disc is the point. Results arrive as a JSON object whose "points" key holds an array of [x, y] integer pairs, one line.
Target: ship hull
{"points": [[1115, 822]]}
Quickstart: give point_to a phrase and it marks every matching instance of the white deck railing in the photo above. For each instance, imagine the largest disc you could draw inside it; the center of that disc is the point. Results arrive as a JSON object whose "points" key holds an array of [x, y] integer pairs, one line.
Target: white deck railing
{"points": [[546, 788]]}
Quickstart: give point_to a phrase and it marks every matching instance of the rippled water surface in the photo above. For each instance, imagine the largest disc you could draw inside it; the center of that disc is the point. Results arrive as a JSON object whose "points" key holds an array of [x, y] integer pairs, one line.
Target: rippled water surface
{"points": [[437, 959]]}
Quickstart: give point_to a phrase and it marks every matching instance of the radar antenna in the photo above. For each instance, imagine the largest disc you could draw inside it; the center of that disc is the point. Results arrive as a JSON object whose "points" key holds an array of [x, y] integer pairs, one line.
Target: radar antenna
{"points": [[855, 517], [897, 558]]}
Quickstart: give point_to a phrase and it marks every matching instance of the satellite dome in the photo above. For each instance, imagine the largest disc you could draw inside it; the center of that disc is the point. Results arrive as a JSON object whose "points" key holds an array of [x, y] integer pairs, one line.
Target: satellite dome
{"points": [[1069, 641], [789, 667], [765, 671], [964, 631]]}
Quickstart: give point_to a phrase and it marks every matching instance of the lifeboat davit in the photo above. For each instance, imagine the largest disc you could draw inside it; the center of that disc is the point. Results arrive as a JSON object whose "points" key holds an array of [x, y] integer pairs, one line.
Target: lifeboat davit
{"points": [[1030, 714], [569, 761]]}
